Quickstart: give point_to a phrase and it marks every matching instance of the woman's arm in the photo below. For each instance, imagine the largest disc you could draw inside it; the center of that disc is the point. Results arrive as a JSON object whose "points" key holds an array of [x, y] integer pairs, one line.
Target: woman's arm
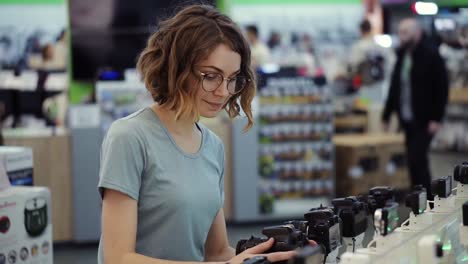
{"points": [[119, 222], [217, 245]]}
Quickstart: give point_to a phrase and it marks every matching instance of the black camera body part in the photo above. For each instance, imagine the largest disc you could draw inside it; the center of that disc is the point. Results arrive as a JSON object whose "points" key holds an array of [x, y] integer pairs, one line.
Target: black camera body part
{"points": [[324, 228], [256, 260], [442, 187], [460, 173], [465, 214], [353, 214], [245, 244], [309, 255], [382, 195], [386, 219], [300, 225], [417, 200], [286, 237]]}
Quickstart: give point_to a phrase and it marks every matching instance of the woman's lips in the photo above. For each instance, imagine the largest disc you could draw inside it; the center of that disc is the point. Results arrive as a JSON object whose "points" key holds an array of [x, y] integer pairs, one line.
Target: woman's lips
{"points": [[214, 105]]}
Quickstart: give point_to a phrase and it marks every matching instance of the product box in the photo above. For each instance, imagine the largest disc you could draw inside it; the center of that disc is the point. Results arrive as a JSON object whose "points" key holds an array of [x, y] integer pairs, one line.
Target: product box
{"points": [[395, 166], [18, 162], [25, 226], [358, 165], [367, 160]]}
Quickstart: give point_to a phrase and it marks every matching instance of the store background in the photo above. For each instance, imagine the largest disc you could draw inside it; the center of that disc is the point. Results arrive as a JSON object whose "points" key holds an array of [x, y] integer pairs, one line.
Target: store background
{"points": [[99, 89]]}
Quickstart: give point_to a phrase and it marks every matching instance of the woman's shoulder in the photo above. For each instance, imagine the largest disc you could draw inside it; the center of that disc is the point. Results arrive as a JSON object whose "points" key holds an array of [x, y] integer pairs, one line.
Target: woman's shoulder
{"points": [[133, 125]]}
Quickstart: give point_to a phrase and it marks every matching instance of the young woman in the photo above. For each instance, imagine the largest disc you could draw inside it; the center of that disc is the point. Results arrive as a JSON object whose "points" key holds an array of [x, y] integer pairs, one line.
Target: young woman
{"points": [[161, 176]]}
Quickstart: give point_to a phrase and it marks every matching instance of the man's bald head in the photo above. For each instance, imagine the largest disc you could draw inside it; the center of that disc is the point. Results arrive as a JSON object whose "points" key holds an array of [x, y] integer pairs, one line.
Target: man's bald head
{"points": [[410, 32]]}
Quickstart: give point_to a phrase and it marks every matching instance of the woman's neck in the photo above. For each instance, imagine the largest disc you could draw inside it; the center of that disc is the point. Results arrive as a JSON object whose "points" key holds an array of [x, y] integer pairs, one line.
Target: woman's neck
{"points": [[182, 126]]}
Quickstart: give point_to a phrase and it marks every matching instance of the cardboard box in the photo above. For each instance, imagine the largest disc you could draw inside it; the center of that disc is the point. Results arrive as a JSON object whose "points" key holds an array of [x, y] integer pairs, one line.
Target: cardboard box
{"points": [[395, 167], [18, 162], [367, 160], [357, 169], [25, 226]]}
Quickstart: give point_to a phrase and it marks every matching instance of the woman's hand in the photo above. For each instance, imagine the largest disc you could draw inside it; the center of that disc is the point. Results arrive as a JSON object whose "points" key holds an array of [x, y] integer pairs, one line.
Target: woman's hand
{"points": [[261, 248]]}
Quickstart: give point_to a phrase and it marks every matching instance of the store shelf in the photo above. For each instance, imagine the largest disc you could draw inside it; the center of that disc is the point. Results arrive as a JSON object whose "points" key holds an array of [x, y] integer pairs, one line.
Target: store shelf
{"points": [[351, 122], [459, 96]]}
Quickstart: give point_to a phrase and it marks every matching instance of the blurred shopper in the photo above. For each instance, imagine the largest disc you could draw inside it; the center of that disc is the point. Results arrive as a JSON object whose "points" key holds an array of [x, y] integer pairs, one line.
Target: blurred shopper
{"points": [[260, 52], [274, 41], [418, 93], [367, 59]]}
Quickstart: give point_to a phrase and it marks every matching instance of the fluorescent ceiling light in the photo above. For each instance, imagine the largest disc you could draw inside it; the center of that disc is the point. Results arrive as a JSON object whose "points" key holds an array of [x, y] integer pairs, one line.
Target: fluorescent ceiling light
{"points": [[425, 8]]}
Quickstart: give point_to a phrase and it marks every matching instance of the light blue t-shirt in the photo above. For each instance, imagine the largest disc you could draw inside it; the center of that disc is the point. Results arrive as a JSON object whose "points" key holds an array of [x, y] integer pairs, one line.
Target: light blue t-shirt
{"points": [[178, 194]]}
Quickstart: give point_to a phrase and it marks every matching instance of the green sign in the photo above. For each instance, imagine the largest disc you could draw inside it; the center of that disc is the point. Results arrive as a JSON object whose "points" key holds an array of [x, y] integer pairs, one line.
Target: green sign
{"points": [[452, 2]]}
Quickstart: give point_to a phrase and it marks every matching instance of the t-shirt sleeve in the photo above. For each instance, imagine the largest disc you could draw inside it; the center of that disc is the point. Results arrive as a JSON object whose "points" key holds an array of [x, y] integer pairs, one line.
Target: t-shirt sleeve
{"points": [[122, 161]]}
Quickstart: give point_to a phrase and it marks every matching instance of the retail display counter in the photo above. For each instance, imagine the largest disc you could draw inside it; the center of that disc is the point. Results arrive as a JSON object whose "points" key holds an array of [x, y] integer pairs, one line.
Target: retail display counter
{"points": [[367, 160], [52, 168]]}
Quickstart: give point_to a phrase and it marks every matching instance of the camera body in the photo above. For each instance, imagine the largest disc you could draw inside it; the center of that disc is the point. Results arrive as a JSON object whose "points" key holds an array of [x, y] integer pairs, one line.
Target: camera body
{"points": [[287, 238], [353, 214], [442, 187], [460, 173], [464, 226], [380, 196], [386, 218], [324, 227], [417, 200]]}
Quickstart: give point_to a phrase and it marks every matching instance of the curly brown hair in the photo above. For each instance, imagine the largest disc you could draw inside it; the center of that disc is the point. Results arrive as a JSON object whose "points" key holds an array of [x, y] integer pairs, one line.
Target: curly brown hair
{"points": [[168, 62]]}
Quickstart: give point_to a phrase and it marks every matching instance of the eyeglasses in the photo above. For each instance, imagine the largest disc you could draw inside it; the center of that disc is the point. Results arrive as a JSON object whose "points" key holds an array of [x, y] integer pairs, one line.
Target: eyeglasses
{"points": [[213, 80]]}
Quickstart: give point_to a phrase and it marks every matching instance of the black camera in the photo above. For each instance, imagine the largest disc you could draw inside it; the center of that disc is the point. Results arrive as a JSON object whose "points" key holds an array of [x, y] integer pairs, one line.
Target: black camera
{"points": [[256, 260], [324, 227], [381, 195], [465, 213], [386, 218], [460, 173], [287, 238], [309, 255], [353, 214], [442, 187], [417, 200]]}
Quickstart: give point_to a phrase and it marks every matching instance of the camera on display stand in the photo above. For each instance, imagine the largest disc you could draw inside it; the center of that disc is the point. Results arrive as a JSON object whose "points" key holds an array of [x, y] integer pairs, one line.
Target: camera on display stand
{"points": [[460, 174], [386, 220], [353, 214], [324, 227], [442, 190], [381, 195], [417, 202], [287, 238], [464, 226]]}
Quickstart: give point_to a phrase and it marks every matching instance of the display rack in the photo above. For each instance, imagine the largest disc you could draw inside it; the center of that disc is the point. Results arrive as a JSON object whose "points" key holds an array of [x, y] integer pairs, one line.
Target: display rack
{"points": [[452, 138], [285, 163]]}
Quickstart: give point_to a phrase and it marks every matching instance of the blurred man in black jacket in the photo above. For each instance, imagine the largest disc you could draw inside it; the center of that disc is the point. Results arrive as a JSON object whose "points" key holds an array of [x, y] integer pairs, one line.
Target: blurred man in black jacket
{"points": [[418, 93]]}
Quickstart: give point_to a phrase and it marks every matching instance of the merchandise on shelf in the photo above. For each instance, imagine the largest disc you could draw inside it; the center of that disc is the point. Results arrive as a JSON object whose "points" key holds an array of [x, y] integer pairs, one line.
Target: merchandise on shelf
{"points": [[18, 165], [295, 151]]}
